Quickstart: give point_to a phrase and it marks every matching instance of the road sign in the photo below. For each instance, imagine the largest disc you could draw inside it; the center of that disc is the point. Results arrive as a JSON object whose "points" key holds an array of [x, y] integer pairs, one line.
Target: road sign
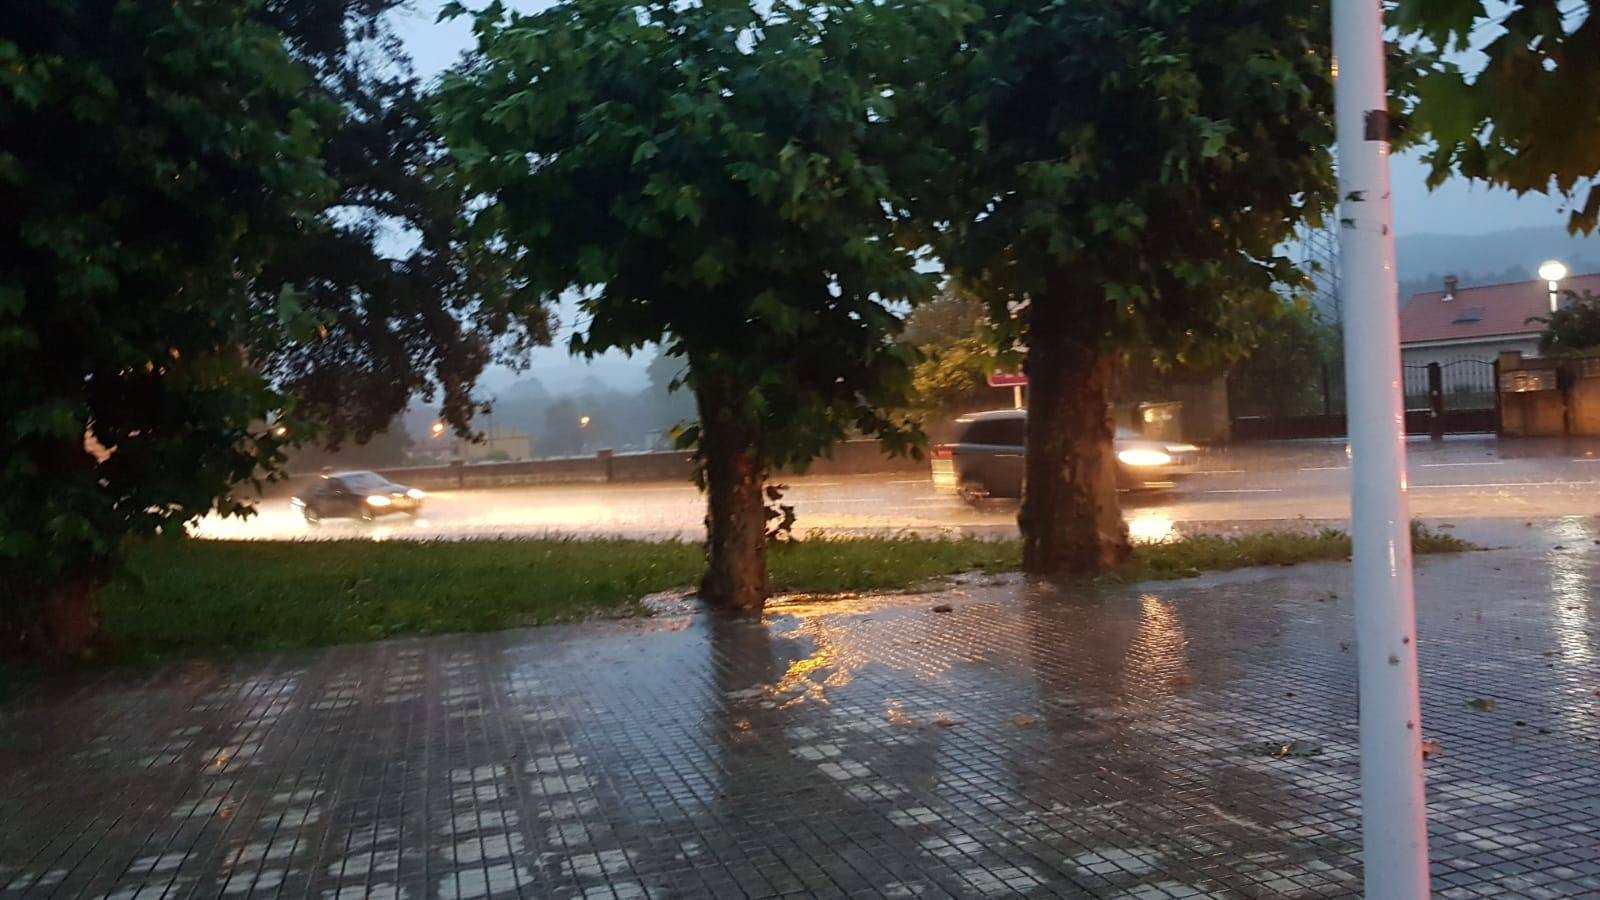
{"points": [[1008, 379]]}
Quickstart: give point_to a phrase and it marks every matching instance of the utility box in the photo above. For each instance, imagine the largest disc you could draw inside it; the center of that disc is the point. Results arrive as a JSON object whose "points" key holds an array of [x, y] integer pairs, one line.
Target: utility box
{"points": [[1161, 421]]}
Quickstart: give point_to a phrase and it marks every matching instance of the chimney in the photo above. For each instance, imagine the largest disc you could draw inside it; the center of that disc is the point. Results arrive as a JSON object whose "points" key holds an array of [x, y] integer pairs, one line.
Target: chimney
{"points": [[1450, 282]]}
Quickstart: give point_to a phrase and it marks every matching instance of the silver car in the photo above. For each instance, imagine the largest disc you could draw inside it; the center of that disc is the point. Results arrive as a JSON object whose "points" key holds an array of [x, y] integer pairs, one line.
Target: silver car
{"points": [[985, 458]]}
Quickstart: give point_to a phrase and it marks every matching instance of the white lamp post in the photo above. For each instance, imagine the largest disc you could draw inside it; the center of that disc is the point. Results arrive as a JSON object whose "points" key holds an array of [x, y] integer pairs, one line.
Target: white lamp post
{"points": [[1552, 271], [1394, 834]]}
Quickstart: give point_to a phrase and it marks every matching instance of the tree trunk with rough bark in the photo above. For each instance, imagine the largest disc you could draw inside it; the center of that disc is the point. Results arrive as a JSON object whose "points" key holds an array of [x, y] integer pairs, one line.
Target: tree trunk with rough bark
{"points": [[64, 624], [1070, 519], [736, 511]]}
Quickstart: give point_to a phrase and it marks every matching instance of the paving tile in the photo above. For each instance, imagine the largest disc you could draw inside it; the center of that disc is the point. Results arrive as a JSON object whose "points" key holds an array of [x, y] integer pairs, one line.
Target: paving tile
{"points": [[1033, 742]]}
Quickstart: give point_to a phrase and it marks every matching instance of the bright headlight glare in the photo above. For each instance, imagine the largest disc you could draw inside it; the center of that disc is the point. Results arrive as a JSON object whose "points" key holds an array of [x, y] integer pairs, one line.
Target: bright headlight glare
{"points": [[415, 494], [378, 500], [1140, 456]]}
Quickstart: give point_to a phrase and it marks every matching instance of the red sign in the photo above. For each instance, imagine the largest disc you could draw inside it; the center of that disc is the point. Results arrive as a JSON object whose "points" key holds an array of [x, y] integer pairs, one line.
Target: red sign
{"points": [[1008, 379]]}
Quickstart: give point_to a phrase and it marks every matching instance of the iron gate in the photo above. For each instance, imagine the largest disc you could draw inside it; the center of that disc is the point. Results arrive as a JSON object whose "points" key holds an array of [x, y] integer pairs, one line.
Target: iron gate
{"points": [[1457, 397]]}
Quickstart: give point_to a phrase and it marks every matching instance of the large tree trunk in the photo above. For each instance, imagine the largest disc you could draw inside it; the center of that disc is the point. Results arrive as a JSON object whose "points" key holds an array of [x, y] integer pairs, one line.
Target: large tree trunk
{"points": [[736, 514], [1070, 519], [65, 624]]}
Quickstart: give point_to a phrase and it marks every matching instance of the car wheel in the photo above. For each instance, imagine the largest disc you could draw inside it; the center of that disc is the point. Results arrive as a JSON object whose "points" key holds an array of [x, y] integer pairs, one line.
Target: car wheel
{"points": [[312, 517], [973, 493]]}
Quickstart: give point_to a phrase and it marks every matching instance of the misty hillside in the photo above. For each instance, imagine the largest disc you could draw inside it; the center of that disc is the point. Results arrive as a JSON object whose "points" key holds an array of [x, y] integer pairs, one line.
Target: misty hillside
{"points": [[1493, 258]]}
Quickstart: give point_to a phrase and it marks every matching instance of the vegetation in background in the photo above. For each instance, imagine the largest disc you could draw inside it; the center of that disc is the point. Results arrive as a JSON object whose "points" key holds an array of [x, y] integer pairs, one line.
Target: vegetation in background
{"points": [[1572, 329], [957, 353], [707, 176], [1294, 367], [196, 597], [408, 302]]}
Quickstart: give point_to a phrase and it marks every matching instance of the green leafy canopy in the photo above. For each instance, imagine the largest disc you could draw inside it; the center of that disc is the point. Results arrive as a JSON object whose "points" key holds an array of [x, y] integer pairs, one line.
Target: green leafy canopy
{"points": [[155, 155], [715, 175], [1139, 164], [1529, 118]]}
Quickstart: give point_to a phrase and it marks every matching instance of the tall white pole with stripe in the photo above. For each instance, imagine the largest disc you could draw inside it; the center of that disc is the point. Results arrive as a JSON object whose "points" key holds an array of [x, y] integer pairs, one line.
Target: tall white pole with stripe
{"points": [[1393, 814]]}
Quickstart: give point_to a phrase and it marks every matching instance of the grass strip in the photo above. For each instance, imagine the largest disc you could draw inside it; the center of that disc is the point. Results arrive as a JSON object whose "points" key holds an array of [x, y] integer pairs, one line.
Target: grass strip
{"points": [[180, 598]]}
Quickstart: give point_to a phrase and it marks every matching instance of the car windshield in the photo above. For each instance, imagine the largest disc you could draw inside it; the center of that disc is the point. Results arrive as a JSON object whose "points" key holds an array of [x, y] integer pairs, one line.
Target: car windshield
{"points": [[364, 482]]}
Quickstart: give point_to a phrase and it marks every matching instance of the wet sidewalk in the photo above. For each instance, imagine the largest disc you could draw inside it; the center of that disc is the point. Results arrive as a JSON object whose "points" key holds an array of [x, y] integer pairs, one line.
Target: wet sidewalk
{"points": [[1181, 740]]}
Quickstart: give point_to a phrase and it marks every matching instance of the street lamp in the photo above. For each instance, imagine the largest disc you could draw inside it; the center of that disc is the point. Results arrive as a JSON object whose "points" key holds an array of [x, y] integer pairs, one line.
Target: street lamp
{"points": [[437, 429], [583, 421], [1552, 271]]}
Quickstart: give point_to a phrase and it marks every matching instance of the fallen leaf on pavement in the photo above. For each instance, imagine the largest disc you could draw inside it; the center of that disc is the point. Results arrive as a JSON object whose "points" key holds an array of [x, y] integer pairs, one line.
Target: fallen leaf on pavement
{"points": [[1430, 749], [1481, 705], [943, 607], [946, 722], [1023, 721], [1182, 681]]}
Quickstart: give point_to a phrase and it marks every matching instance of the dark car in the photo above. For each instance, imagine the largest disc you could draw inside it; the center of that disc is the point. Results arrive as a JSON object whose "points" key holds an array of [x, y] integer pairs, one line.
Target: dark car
{"points": [[357, 495], [985, 458]]}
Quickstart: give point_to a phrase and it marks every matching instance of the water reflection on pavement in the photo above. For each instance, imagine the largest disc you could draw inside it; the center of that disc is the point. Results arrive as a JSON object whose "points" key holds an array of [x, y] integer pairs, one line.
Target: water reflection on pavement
{"points": [[1181, 739]]}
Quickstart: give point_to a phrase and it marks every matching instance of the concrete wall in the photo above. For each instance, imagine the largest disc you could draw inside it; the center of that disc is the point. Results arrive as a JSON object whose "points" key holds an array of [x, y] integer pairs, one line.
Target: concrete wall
{"points": [[847, 458], [1531, 413]]}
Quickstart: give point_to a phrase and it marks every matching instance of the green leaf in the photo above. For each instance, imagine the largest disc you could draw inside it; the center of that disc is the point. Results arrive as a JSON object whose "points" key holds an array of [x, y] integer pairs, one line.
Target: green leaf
{"points": [[645, 151]]}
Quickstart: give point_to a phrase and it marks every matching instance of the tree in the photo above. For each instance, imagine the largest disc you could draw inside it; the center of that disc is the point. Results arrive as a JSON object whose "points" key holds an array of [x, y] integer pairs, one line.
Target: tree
{"points": [[1128, 170], [703, 176], [409, 303], [1288, 369], [956, 352], [1529, 119], [562, 434], [156, 156], [1572, 329]]}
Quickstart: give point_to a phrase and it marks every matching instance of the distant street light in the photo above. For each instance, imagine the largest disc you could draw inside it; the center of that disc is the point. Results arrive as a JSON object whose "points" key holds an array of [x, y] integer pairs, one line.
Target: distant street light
{"points": [[437, 429], [583, 421], [1552, 271], [280, 431]]}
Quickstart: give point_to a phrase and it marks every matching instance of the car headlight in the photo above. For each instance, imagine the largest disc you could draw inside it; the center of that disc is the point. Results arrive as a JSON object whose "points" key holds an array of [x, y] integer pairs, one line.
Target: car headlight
{"points": [[1141, 456], [378, 500], [1182, 448], [296, 502], [415, 494]]}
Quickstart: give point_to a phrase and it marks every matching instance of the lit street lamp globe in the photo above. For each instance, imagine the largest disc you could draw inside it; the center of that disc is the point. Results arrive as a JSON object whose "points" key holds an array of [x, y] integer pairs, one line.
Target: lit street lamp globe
{"points": [[583, 421], [1552, 270]]}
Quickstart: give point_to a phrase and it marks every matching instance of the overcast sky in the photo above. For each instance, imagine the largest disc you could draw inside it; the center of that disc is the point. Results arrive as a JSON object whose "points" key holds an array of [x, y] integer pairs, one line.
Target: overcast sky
{"points": [[1454, 208]]}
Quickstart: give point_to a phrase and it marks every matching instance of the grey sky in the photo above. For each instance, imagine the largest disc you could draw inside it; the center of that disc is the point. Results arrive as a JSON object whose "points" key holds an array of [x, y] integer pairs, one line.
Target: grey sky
{"points": [[1456, 207]]}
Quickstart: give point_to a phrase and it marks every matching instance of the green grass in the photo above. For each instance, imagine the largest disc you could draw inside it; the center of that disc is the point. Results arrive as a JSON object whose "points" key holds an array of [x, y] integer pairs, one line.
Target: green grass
{"points": [[206, 597]]}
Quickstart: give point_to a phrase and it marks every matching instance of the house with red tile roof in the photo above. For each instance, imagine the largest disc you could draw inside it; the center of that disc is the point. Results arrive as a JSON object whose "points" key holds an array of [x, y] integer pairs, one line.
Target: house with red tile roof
{"points": [[1480, 322]]}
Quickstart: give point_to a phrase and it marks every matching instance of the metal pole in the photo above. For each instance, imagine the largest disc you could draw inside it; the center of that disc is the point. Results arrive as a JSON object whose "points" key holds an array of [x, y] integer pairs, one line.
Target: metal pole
{"points": [[1016, 396], [1393, 814], [1554, 294]]}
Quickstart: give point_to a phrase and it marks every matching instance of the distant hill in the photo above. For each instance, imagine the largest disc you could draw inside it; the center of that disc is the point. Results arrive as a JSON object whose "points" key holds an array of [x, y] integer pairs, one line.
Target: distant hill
{"points": [[1494, 258]]}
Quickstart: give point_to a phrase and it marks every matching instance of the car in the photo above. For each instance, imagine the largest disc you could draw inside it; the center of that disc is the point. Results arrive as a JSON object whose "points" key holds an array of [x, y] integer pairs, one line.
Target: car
{"points": [[357, 495], [984, 458]]}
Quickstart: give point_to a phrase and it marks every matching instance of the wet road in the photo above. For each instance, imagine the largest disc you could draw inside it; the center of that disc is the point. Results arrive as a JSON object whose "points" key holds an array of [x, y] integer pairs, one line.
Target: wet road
{"points": [[1457, 479]]}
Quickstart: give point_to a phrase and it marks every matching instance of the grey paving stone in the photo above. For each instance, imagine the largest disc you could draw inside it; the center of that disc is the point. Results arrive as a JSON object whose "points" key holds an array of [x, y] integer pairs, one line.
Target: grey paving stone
{"points": [[1033, 742]]}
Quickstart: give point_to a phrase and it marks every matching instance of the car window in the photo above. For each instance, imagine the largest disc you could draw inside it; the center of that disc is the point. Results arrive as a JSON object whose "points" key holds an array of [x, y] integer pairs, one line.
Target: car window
{"points": [[363, 482], [1002, 432]]}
